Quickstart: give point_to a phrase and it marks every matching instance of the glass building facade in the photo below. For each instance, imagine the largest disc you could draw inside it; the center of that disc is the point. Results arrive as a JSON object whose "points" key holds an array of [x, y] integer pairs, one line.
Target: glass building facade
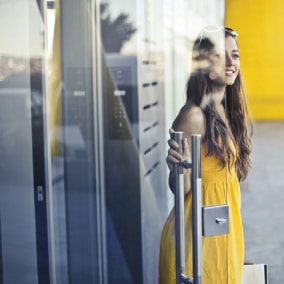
{"points": [[88, 91]]}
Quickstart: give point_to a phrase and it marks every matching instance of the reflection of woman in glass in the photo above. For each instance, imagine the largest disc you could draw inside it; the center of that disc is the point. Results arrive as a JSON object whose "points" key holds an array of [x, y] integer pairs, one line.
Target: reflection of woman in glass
{"points": [[215, 108]]}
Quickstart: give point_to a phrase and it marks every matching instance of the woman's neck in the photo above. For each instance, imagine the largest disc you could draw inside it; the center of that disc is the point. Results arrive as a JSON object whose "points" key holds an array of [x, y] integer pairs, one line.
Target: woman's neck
{"points": [[218, 95]]}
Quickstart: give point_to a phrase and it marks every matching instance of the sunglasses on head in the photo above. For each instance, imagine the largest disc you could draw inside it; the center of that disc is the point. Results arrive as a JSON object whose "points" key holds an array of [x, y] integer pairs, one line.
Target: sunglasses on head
{"points": [[220, 28], [231, 32]]}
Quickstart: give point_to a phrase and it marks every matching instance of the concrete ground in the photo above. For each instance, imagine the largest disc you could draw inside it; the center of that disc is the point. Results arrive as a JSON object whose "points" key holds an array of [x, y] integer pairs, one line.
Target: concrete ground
{"points": [[263, 200]]}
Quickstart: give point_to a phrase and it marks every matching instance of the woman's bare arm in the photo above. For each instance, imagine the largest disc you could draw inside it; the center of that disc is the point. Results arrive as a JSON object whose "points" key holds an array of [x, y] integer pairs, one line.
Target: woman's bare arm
{"points": [[190, 121]]}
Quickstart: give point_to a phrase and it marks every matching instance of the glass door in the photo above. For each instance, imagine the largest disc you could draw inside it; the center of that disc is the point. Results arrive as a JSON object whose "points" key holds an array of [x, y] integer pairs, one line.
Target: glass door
{"points": [[74, 142], [23, 199]]}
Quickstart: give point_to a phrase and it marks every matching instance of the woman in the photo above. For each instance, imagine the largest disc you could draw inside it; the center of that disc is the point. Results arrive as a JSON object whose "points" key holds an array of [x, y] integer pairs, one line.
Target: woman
{"points": [[215, 108]]}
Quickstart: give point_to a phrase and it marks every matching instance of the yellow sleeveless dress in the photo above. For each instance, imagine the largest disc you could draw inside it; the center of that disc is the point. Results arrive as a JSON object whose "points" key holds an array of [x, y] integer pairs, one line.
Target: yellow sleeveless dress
{"points": [[223, 255]]}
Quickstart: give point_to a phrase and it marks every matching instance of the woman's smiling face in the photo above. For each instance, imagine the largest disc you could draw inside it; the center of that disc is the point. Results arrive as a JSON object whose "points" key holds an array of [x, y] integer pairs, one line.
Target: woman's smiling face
{"points": [[232, 67]]}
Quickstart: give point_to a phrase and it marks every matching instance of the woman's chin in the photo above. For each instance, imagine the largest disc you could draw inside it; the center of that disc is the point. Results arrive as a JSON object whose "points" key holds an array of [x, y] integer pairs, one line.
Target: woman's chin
{"points": [[230, 81]]}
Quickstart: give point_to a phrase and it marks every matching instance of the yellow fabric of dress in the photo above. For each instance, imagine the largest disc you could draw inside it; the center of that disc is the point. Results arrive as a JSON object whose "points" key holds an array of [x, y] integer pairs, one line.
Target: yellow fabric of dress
{"points": [[223, 255]]}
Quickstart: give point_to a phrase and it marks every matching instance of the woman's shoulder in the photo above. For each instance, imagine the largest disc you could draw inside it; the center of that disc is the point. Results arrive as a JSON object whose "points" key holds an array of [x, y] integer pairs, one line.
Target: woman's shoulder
{"points": [[190, 119]]}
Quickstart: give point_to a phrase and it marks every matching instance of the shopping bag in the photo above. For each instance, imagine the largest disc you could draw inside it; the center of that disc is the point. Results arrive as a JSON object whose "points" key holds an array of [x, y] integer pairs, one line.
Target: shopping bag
{"points": [[255, 274]]}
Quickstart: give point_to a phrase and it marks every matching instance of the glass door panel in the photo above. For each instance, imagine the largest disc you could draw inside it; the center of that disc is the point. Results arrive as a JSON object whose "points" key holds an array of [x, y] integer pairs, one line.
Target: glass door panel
{"points": [[24, 235], [72, 126]]}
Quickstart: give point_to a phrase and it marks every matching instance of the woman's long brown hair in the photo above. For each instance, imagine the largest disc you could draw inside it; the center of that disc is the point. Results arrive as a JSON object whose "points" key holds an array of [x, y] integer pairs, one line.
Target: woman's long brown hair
{"points": [[199, 86], [240, 124]]}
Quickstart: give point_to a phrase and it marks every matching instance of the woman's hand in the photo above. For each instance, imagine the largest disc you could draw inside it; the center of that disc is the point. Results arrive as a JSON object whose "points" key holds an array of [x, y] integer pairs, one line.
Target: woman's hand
{"points": [[173, 155]]}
